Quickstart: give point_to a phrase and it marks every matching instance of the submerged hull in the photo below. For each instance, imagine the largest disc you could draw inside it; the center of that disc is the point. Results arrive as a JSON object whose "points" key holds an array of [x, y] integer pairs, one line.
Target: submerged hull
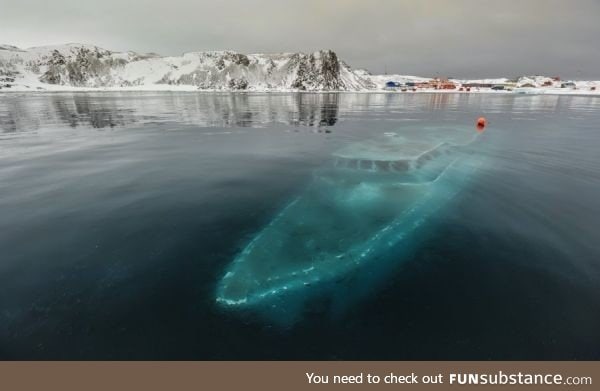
{"points": [[350, 214]]}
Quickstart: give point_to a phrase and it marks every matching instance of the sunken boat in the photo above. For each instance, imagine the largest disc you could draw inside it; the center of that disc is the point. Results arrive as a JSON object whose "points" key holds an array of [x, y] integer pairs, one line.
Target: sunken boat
{"points": [[376, 194]]}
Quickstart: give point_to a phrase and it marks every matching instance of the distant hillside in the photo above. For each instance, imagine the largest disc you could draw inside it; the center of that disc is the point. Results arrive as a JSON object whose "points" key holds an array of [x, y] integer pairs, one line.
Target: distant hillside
{"points": [[78, 65], [87, 67]]}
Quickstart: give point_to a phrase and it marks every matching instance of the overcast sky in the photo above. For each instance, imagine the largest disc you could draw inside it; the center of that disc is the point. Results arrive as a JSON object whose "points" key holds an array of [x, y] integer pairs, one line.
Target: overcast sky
{"points": [[470, 38]]}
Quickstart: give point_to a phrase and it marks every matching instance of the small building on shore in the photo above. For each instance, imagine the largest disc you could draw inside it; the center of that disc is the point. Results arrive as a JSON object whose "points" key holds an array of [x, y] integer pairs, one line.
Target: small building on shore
{"points": [[442, 84]]}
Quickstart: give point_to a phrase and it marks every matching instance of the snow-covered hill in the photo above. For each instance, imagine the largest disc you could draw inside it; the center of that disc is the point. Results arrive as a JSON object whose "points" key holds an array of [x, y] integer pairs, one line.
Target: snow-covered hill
{"points": [[88, 66]]}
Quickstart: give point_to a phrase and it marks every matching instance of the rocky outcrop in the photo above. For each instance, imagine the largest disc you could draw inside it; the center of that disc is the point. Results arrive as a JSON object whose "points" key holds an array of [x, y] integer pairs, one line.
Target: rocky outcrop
{"points": [[81, 68], [320, 70]]}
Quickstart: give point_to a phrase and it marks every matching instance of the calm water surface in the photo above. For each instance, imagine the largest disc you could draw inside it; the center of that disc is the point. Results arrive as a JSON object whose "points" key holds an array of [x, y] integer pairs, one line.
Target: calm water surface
{"points": [[120, 212]]}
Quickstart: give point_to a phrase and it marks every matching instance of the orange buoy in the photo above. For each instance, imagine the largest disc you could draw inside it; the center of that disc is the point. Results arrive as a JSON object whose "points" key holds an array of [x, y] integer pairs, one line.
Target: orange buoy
{"points": [[481, 122]]}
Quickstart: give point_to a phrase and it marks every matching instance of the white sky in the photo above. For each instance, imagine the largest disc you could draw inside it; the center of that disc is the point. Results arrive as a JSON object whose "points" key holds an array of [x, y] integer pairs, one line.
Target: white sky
{"points": [[459, 38]]}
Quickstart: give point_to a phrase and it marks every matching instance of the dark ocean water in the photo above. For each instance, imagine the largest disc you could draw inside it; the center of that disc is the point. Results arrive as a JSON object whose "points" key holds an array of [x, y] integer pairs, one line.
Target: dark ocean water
{"points": [[119, 214]]}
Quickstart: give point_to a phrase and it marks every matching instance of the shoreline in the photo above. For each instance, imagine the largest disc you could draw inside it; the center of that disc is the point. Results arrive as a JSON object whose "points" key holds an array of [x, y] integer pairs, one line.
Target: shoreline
{"points": [[266, 92]]}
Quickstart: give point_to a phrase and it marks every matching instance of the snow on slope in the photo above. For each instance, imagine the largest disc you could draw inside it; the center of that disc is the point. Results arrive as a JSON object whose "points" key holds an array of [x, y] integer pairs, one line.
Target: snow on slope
{"points": [[380, 80], [88, 66]]}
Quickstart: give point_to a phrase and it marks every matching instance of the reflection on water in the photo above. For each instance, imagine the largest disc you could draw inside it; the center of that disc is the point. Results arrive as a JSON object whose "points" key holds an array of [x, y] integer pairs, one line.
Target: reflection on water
{"points": [[122, 211], [110, 110], [120, 110]]}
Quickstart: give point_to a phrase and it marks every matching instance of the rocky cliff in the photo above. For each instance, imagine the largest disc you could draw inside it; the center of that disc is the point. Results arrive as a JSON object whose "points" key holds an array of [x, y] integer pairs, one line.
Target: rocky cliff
{"points": [[87, 66]]}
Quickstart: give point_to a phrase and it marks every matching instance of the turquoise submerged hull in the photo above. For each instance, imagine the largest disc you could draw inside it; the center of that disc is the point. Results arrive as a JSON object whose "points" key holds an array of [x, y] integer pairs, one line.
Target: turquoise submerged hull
{"points": [[352, 213]]}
